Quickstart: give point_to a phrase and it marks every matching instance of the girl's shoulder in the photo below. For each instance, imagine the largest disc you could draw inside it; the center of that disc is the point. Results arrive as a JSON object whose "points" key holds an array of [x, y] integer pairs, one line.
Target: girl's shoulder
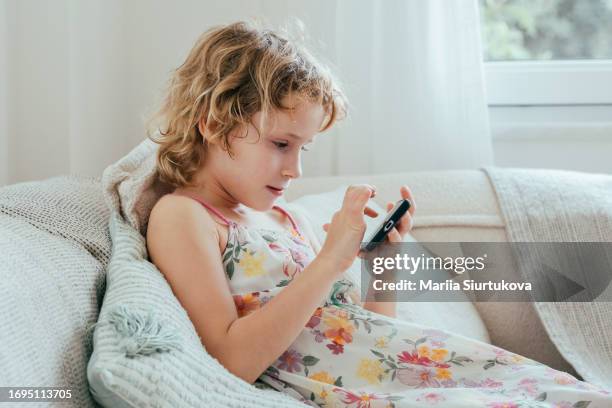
{"points": [[180, 210]]}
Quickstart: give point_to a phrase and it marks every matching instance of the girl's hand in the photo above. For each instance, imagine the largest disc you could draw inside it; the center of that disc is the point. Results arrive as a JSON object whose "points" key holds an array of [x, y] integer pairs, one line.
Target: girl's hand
{"points": [[387, 306], [404, 225], [345, 232]]}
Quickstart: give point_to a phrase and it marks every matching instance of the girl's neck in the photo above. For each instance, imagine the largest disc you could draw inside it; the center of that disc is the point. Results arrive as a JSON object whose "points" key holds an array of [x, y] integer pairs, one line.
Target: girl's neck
{"points": [[211, 191]]}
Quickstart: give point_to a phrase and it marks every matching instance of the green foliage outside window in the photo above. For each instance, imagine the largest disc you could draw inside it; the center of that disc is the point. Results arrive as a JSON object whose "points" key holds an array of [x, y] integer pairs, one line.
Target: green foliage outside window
{"points": [[546, 29]]}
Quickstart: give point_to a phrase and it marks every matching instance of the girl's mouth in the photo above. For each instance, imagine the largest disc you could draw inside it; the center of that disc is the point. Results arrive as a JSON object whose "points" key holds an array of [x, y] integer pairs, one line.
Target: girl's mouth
{"points": [[275, 191]]}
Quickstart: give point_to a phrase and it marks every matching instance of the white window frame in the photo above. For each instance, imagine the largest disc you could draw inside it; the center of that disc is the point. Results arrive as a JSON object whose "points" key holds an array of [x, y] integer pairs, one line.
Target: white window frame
{"points": [[535, 105], [548, 83]]}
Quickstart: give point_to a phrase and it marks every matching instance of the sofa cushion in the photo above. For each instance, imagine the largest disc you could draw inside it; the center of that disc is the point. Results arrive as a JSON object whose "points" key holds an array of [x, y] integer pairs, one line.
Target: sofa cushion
{"points": [[50, 292], [444, 198], [54, 248], [67, 206]]}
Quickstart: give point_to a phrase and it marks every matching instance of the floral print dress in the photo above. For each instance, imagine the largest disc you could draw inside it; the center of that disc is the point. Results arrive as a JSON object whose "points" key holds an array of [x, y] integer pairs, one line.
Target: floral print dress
{"points": [[347, 356]]}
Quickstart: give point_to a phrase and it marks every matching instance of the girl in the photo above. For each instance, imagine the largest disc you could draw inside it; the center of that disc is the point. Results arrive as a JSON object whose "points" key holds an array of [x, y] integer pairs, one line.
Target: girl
{"points": [[238, 114]]}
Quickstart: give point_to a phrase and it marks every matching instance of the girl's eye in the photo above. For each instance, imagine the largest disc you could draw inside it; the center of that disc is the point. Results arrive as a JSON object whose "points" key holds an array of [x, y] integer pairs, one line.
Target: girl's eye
{"points": [[281, 145], [284, 145]]}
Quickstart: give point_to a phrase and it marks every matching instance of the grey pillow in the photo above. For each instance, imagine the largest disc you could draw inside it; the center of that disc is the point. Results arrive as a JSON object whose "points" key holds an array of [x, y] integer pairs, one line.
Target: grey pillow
{"points": [[54, 249], [67, 206]]}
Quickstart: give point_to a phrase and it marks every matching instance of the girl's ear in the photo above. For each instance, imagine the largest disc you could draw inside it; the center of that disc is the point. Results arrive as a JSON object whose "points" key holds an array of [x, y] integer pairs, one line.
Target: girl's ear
{"points": [[202, 127]]}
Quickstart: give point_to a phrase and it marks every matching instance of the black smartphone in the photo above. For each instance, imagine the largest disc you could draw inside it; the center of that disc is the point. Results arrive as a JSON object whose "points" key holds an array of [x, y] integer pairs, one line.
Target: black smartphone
{"points": [[379, 234]]}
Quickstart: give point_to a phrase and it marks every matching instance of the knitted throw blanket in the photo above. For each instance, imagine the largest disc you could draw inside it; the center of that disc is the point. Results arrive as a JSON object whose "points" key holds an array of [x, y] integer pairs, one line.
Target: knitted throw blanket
{"points": [[565, 206]]}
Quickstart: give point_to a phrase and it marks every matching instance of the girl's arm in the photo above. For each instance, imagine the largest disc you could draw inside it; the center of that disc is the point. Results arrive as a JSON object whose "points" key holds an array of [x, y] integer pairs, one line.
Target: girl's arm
{"points": [[383, 308], [183, 243]]}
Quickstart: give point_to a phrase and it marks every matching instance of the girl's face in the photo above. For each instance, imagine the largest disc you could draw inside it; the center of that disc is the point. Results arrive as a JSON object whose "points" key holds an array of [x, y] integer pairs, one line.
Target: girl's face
{"points": [[264, 162]]}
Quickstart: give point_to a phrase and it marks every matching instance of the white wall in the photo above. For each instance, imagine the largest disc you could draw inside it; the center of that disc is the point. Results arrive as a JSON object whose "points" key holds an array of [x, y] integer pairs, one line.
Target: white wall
{"points": [[39, 103], [558, 137]]}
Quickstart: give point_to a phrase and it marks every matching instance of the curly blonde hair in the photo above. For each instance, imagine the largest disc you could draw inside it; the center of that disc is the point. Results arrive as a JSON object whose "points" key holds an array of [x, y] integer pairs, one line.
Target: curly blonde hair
{"points": [[231, 73]]}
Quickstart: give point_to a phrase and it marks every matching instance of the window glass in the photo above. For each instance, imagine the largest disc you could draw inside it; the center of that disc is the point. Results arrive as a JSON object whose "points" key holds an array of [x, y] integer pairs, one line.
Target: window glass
{"points": [[546, 29]]}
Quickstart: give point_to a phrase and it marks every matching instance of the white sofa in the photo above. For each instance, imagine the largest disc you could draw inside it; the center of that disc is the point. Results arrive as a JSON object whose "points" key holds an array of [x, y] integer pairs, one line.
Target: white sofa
{"points": [[55, 247]]}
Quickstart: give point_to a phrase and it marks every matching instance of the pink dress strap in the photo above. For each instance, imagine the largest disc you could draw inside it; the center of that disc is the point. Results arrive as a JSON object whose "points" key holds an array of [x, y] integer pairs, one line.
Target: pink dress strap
{"points": [[293, 223], [205, 204]]}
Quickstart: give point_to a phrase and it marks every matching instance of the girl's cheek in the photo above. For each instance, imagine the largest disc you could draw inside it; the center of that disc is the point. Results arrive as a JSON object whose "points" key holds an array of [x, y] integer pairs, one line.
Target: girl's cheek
{"points": [[270, 156]]}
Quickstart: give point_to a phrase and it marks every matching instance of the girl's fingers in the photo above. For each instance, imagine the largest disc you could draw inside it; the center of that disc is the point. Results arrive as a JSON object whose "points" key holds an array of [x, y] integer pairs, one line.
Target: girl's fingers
{"points": [[407, 194], [394, 236], [367, 211], [370, 212], [405, 223], [356, 198]]}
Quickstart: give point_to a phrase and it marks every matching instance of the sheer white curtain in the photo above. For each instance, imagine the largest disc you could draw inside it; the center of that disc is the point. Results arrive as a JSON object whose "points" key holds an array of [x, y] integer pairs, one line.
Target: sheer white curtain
{"points": [[67, 91], [414, 73], [77, 79]]}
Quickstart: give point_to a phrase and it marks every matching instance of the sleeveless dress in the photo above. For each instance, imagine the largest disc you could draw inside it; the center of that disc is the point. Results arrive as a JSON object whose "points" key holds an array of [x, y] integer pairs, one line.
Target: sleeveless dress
{"points": [[347, 356]]}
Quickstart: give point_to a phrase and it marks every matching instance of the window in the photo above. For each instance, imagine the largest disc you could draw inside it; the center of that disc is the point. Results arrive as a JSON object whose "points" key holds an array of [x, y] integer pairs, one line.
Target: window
{"points": [[547, 52], [546, 29], [548, 76]]}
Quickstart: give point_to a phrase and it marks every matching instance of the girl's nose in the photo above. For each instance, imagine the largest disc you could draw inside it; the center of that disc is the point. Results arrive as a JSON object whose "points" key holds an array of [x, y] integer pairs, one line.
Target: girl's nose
{"points": [[292, 174], [294, 170]]}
